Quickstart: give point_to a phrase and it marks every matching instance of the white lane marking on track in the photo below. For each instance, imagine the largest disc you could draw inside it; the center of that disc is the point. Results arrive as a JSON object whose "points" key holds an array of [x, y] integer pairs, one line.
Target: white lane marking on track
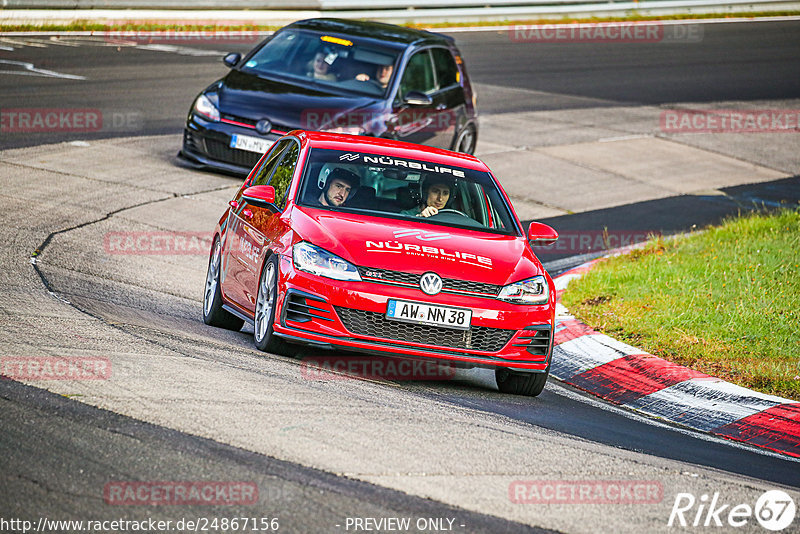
{"points": [[180, 50], [66, 40], [57, 41], [29, 69], [6, 48], [20, 43], [80, 40]]}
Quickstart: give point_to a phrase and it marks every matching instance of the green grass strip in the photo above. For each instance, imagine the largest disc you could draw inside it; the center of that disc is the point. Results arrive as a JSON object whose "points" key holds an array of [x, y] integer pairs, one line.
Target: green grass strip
{"points": [[725, 301]]}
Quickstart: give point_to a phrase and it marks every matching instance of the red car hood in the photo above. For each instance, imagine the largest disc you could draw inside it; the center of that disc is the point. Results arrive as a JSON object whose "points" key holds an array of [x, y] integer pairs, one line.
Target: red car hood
{"points": [[411, 247]]}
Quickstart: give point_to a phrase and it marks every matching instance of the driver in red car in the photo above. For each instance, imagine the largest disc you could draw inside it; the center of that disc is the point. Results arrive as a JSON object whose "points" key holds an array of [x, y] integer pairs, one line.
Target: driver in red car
{"points": [[436, 192], [340, 184]]}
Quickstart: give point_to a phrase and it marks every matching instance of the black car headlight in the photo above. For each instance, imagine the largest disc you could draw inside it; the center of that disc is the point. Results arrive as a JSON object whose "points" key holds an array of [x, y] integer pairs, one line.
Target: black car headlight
{"points": [[205, 107], [314, 260], [531, 291]]}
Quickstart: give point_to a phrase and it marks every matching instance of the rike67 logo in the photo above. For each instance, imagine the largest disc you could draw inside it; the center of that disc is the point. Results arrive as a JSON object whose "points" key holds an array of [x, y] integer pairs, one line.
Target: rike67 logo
{"points": [[774, 510]]}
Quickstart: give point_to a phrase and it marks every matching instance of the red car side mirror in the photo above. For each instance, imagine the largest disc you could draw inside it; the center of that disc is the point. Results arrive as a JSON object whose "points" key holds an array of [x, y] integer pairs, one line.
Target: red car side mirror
{"points": [[541, 235], [259, 195]]}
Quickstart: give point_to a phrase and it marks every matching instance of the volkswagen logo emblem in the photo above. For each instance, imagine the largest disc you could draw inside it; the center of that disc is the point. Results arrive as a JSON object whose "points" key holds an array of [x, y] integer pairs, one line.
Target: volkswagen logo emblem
{"points": [[264, 126], [430, 283]]}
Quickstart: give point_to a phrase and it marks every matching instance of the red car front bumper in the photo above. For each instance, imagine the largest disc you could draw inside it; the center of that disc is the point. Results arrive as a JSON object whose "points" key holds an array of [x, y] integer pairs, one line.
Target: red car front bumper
{"points": [[352, 315]]}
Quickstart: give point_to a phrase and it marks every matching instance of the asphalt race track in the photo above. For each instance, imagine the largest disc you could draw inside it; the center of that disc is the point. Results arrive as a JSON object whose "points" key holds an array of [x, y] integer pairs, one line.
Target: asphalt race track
{"points": [[186, 402]]}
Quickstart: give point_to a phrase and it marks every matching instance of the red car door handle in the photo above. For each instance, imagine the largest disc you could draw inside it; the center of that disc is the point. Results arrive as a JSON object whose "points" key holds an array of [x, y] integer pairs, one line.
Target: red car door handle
{"points": [[247, 214]]}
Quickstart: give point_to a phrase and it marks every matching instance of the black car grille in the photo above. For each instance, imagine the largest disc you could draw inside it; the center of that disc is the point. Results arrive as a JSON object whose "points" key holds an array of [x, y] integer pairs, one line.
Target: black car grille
{"points": [[243, 120], [449, 285], [222, 152], [253, 122], [374, 324]]}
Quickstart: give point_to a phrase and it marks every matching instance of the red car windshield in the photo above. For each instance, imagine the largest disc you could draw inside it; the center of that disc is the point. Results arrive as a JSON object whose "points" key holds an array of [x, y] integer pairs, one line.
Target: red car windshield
{"points": [[394, 187]]}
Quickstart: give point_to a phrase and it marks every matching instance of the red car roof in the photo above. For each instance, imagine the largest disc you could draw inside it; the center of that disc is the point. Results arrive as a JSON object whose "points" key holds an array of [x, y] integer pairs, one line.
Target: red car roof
{"points": [[389, 147]]}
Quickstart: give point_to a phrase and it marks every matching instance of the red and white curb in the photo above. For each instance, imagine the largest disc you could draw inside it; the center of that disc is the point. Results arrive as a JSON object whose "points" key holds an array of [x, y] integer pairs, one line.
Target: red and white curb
{"points": [[629, 377]]}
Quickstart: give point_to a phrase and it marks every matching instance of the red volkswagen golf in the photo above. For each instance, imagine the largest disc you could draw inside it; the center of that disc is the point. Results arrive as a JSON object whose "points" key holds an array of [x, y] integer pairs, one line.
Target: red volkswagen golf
{"points": [[365, 244]]}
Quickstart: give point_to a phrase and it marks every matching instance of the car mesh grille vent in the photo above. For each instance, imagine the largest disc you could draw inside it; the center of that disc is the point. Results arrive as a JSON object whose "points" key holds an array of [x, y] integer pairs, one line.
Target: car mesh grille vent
{"points": [[190, 140], [374, 324], [222, 152], [301, 309], [448, 284], [536, 339]]}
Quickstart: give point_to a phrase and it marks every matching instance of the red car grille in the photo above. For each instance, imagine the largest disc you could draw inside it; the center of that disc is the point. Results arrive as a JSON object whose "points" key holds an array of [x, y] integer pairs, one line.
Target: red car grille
{"points": [[449, 285], [374, 324]]}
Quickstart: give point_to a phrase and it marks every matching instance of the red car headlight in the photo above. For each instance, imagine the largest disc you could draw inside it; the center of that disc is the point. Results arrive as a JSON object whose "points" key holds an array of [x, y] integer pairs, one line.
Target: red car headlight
{"points": [[315, 260], [531, 291]]}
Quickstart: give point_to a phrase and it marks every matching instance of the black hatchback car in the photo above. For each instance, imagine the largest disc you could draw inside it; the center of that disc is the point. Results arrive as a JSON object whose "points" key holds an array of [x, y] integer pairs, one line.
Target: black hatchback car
{"points": [[363, 78]]}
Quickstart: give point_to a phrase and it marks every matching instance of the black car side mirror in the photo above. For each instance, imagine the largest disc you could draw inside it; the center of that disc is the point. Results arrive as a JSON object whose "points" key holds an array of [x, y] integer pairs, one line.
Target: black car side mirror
{"points": [[416, 98], [232, 59]]}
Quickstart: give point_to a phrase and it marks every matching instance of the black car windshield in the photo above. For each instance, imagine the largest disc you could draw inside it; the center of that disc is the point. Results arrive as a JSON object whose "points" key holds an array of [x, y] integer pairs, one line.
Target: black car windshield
{"points": [[393, 187], [346, 64]]}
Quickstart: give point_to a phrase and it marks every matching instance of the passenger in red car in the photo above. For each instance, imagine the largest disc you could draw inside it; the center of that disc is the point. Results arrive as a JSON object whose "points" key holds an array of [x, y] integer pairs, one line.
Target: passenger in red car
{"points": [[340, 184], [435, 194]]}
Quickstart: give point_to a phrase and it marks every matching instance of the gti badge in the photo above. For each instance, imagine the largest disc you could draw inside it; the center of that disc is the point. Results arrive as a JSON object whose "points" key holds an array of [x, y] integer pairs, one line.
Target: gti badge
{"points": [[430, 283], [264, 126]]}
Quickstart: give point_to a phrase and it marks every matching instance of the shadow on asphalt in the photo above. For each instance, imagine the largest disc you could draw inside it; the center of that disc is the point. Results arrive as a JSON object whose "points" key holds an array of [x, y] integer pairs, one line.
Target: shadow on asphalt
{"points": [[582, 233]]}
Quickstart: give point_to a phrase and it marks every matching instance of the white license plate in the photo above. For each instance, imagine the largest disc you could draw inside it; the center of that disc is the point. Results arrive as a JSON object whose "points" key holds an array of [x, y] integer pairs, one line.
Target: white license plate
{"points": [[420, 313], [251, 144]]}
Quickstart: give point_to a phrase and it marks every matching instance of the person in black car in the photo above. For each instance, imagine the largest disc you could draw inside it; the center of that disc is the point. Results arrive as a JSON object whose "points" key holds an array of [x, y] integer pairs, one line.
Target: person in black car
{"points": [[383, 73], [320, 68]]}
